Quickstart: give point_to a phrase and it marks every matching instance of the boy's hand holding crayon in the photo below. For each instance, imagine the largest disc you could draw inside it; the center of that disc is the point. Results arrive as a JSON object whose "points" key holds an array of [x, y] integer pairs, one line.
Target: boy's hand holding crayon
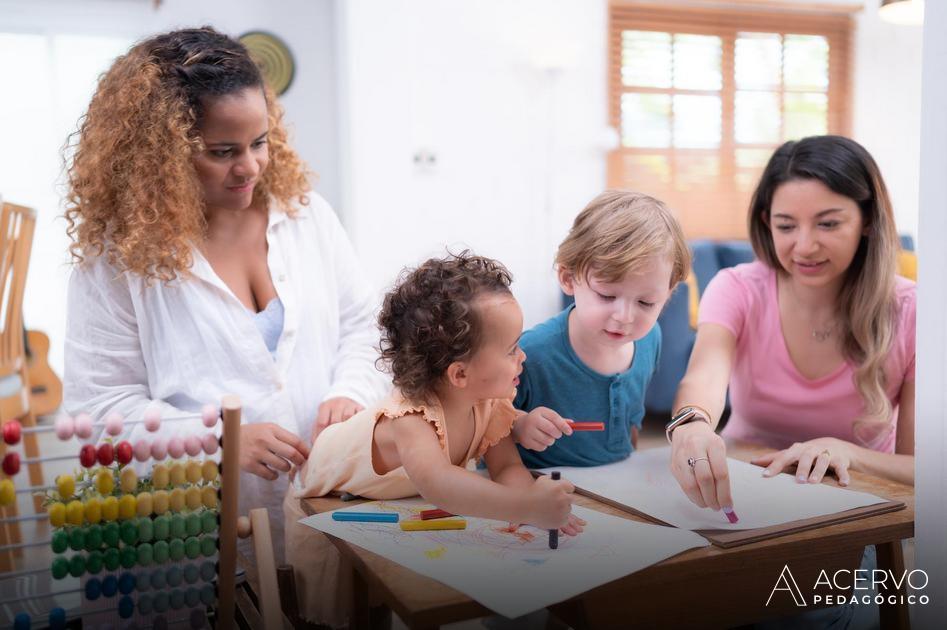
{"points": [[540, 428]]}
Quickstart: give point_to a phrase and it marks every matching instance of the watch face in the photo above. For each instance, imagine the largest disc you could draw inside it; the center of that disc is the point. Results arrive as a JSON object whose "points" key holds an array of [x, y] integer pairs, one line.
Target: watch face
{"points": [[684, 414]]}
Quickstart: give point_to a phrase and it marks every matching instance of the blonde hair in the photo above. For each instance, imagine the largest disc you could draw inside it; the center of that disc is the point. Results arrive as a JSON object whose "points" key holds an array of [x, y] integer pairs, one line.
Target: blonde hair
{"points": [[620, 232], [866, 304], [133, 192]]}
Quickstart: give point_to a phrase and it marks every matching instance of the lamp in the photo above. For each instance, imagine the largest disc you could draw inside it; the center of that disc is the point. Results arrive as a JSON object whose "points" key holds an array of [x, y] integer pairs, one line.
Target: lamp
{"points": [[902, 11]]}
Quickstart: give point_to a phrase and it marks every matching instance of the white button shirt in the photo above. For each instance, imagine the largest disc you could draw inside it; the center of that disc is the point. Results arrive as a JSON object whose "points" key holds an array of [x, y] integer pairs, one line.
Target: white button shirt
{"points": [[189, 342]]}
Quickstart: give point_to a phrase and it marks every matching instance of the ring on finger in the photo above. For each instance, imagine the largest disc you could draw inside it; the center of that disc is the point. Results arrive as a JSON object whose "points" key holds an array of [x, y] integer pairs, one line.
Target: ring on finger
{"points": [[826, 453], [692, 461]]}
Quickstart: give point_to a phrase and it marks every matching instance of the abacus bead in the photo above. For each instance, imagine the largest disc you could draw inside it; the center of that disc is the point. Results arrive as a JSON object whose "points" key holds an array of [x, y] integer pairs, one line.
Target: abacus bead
{"points": [[174, 576], [142, 450], [60, 541], [176, 549], [57, 618], [57, 514], [77, 565], [192, 471], [59, 567], [175, 447], [191, 573], [159, 448], [7, 492], [93, 538], [146, 554], [11, 463], [129, 532], [244, 527], [209, 471], [77, 539], [161, 551], [209, 497], [208, 522], [210, 444], [146, 504], [152, 418], [74, 512], [146, 528], [143, 581], [192, 524], [177, 599], [104, 481], [162, 601], [126, 583], [177, 499], [208, 546], [112, 560], [160, 501], [208, 597], [92, 510], [160, 476], [22, 621], [83, 426], [128, 480], [192, 547], [11, 432], [126, 607], [192, 597], [127, 507], [113, 423], [209, 415], [177, 474], [66, 486], [105, 454], [159, 623], [192, 498], [93, 589], [94, 562], [192, 445], [110, 508], [111, 534], [87, 455], [129, 556], [65, 427], [144, 604], [159, 579], [124, 452], [162, 527], [208, 571]]}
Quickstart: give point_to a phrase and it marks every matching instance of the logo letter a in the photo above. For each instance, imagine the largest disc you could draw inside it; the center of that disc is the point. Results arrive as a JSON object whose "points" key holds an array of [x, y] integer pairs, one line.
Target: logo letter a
{"points": [[787, 582]]}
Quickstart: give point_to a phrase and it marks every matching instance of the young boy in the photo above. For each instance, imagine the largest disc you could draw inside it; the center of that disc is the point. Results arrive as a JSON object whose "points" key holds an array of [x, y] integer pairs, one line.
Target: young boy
{"points": [[593, 361]]}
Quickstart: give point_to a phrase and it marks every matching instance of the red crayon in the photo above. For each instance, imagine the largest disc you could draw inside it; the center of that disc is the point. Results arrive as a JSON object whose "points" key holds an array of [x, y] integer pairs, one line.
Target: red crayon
{"points": [[429, 514], [587, 426], [730, 514]]}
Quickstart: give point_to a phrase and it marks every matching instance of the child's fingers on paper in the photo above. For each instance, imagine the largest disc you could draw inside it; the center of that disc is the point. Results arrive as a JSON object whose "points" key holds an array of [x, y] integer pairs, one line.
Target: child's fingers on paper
{"points": [[820, 468]]}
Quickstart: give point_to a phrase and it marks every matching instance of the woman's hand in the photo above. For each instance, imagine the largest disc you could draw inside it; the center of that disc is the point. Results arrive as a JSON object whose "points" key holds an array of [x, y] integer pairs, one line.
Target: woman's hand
{"points": [[707, 482], [813, 459], [539, 429], [334, 410], [266, 449]]}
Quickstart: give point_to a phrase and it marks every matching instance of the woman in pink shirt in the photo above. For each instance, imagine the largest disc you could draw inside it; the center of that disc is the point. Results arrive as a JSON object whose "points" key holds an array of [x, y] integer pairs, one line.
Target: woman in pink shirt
{"points": [[815, 339]]}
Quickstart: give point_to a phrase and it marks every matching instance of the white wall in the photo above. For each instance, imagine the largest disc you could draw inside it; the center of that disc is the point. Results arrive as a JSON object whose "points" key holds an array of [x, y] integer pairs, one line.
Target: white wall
{"points": [[29, 175], [508, 96]]}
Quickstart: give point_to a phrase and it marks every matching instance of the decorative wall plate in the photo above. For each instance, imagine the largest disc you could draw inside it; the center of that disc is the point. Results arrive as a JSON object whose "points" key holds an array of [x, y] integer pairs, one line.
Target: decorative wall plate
{"points": [[273, 57]]}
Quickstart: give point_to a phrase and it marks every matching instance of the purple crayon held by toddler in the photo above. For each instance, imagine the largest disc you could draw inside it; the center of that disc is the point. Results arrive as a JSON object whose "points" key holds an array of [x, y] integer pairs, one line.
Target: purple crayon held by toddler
{"points": [[554, 533]]}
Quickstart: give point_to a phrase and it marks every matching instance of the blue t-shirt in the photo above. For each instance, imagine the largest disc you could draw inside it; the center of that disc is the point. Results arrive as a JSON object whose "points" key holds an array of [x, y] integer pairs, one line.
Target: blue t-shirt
{"points": [[555, 377]]}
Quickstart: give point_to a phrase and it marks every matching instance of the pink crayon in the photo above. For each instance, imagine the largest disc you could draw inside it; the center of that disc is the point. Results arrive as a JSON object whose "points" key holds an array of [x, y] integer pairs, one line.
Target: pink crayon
{"points": [[731, 515]]}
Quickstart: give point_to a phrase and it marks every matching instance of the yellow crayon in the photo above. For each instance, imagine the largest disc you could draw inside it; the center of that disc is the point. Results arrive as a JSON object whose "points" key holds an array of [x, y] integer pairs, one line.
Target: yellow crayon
{"points": [[443, 523]]}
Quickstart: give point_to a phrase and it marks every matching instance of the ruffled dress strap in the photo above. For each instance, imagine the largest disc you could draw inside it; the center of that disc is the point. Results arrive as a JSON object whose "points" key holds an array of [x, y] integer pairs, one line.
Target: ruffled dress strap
{"points": [[396, 406], [500, 415]]}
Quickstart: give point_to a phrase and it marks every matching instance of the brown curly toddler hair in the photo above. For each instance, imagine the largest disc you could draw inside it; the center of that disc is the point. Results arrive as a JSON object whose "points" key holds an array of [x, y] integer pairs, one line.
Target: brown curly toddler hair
{"points": [[430, 319], [133, 192]]}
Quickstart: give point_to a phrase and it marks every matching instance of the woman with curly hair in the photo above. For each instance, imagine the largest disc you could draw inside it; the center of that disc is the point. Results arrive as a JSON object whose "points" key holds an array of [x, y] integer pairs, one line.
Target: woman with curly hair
{"points": [[204, 264], [450, 336]]}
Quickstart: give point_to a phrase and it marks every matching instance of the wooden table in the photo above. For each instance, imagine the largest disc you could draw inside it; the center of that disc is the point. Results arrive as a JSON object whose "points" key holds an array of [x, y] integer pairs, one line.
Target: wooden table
{"points": [[708, 587]]}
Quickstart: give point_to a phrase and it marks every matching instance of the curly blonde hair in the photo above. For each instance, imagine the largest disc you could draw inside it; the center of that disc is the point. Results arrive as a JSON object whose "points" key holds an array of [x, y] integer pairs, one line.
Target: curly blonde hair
{"points": [[133, 193]]}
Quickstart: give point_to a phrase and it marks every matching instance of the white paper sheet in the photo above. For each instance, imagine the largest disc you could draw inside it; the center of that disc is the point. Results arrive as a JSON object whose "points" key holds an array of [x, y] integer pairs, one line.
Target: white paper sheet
{"points": [[645, 483], [513, 573]]}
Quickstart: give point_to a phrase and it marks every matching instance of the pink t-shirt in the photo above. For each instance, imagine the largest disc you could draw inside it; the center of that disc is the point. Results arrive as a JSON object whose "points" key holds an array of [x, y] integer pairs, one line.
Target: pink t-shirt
{"points": [[772, 403]]}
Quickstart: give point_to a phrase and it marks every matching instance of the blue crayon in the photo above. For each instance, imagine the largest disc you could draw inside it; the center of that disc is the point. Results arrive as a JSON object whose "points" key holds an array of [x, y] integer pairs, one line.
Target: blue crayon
{"points": [[366, 517]]}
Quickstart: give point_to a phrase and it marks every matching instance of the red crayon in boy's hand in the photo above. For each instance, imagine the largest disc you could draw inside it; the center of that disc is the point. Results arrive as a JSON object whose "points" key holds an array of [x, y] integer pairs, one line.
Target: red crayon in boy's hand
{"points": [[586, 426]]}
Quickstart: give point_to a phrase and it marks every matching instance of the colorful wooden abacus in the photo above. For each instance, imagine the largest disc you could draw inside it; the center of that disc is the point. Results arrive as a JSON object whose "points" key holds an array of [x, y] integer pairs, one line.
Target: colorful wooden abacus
{"points": [[127, 551]]}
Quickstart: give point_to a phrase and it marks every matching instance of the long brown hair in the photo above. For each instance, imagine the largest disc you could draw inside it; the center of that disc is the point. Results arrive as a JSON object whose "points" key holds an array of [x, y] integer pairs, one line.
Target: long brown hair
{"points": [[133, 192], [867, 305]]}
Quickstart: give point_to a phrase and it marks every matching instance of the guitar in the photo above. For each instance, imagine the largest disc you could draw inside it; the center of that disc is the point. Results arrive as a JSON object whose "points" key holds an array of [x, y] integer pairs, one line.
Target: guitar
{"points": [[45, 386]]}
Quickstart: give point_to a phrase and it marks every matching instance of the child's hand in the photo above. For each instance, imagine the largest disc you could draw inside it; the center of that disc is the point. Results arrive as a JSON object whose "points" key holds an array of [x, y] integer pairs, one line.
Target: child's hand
{"points": [[334, 410], [540, 428], [574, 527], [550, 502]]}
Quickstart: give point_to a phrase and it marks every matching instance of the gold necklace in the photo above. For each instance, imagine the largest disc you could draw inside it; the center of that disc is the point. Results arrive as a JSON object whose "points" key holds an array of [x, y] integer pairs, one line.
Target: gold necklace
{"points": [[824, 334]]}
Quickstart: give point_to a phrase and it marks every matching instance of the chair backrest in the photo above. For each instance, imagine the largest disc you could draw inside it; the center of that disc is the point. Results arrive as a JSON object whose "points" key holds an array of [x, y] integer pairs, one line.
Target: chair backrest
{"points": [[16, 240]]}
